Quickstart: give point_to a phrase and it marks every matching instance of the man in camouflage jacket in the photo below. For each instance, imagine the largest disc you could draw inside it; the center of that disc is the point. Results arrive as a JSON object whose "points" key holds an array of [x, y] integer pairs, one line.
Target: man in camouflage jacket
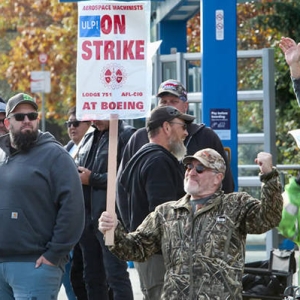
{"points": [[202, 236]]}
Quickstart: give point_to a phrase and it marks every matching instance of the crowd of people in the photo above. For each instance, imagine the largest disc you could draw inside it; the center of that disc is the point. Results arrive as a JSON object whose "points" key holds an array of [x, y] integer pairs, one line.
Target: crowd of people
{"points": [[177, 214]]}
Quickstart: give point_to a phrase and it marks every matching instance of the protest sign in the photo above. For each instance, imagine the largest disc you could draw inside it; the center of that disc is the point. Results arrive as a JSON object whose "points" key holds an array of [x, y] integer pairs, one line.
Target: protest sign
{"points": [[114, 70]]}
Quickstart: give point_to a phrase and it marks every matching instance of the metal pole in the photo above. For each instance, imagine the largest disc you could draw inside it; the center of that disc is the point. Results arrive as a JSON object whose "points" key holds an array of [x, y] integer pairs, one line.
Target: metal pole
{"points": [[43, 105]]}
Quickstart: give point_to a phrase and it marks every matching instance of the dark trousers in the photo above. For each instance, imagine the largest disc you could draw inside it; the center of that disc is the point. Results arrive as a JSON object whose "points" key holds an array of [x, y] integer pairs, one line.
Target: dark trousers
{"points": [[93, 266], [102, 269], [76, 274], [117, 275]]}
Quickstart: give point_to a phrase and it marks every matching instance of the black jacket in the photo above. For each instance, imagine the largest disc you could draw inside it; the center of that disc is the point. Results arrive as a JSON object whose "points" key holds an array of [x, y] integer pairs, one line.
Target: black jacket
{"points": [[199, 137], [98, 178], [152, 177]]}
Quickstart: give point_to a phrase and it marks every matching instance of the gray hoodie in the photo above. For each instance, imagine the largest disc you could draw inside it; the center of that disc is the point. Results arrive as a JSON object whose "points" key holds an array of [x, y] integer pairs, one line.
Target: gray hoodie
{"points": [[41, 202]]}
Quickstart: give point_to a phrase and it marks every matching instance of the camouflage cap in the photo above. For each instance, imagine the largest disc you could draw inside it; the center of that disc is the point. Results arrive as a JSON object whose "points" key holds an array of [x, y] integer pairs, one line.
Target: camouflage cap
{"points": [[210, 158], [173, 87], [20, 98]]}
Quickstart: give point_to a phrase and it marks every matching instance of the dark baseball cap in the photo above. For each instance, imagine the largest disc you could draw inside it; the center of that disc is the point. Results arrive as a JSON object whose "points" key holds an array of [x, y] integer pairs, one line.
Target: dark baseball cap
{"points": [[162, 114], [173, 87], [20, 98]]}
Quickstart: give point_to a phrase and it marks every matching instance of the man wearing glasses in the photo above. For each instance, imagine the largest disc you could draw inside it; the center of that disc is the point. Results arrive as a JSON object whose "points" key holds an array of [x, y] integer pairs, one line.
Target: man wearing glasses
{"points": [[202, 236], [76, 131], [41, 207], [153, 176]]}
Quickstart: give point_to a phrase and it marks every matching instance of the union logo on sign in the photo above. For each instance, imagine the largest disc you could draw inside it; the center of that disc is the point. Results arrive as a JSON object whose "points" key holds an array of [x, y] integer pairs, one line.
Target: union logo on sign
{"points": [[113, 76]]}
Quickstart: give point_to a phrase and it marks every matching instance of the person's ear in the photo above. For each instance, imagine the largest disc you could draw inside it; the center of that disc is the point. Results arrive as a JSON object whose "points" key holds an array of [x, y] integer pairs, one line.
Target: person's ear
{"points": [[6, 123], [220, 176], [186, 107], [165, 125]]}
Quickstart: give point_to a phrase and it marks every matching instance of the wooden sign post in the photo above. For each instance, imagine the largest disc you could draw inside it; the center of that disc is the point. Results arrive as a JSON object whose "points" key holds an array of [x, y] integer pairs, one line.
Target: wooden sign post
{"points": [[111, 174]]}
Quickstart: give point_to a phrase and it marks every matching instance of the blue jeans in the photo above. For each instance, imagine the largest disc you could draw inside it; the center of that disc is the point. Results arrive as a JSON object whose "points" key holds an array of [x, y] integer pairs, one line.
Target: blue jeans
{"points": [[22, 281], [117, 275]]}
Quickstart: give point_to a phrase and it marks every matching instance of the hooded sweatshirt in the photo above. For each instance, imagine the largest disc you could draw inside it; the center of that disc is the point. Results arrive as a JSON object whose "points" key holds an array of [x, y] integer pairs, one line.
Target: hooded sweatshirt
{"points": [[41, 207], [152, 177]]}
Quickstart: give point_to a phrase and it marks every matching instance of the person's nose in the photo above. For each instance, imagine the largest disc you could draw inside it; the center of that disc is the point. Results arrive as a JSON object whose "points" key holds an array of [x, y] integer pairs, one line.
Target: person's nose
{"points": [[26, 119], [185, 133]]}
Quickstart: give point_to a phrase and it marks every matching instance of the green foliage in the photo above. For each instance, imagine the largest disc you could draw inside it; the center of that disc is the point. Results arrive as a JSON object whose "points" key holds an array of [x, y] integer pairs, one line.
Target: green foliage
{"points": [[261, 25]]}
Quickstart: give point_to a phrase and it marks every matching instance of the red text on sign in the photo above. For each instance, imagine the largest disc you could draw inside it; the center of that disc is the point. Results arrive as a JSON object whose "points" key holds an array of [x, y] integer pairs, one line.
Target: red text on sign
{"points": [[113, 50]]}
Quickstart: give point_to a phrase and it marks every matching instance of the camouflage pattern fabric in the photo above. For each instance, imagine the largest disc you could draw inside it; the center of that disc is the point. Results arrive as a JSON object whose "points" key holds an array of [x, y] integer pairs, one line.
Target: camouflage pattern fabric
{"points": [[203, 252]]}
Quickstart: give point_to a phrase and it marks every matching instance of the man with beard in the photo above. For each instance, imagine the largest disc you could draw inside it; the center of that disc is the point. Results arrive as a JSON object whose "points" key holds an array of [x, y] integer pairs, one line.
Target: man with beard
{"points": [[3, 129], [42, 211], [153, 176], [202, 235]]}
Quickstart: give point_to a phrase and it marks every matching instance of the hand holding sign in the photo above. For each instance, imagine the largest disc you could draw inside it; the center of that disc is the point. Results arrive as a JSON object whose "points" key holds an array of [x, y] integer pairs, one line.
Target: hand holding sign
{"points": [[114, 72]]}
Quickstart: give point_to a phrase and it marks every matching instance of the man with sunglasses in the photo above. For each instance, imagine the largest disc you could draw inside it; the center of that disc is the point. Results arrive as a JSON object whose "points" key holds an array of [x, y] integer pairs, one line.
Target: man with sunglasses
{"points": [[41, 206], [76, 131], [3, 129], [153, 176], [203, 235]]}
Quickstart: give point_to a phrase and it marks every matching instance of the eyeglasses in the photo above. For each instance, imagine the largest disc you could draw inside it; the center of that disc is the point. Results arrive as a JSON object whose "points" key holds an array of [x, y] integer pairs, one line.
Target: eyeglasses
{"points": [[2, 121], [199, 168], [74, 123], [184, 126], [20, 117]]}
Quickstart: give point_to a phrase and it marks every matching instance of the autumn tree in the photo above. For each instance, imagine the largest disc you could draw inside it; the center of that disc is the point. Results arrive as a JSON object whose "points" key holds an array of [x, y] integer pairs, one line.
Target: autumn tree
{"points": [[34, 27]]}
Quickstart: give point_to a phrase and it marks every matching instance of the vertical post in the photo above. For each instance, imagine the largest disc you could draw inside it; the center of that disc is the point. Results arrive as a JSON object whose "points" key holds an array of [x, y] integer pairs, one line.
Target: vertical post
{"points": [[112, 173], [219, 73], [43, 104]]}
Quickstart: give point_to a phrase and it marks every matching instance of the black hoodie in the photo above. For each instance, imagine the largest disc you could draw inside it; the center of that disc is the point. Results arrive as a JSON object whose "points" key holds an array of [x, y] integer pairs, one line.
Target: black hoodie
{"points": [[153, 176], [41, 207]]}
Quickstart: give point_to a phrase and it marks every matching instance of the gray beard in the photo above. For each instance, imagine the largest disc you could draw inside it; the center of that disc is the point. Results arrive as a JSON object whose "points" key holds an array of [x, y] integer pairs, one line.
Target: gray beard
{"points": [[23, 140], [177, 149]]}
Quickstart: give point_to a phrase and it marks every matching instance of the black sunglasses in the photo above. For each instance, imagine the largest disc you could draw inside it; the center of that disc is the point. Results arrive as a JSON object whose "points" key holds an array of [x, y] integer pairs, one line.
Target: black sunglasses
{"points": [[74, 123], [2, 121], [199, 168], [20, 117], [184, 126]]}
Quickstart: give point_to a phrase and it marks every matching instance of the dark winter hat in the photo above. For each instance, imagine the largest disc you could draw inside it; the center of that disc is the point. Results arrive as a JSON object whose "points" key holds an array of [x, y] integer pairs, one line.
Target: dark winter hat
{"points": [[162, 114], [20, 98], [209, 158], [173, 87]]}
